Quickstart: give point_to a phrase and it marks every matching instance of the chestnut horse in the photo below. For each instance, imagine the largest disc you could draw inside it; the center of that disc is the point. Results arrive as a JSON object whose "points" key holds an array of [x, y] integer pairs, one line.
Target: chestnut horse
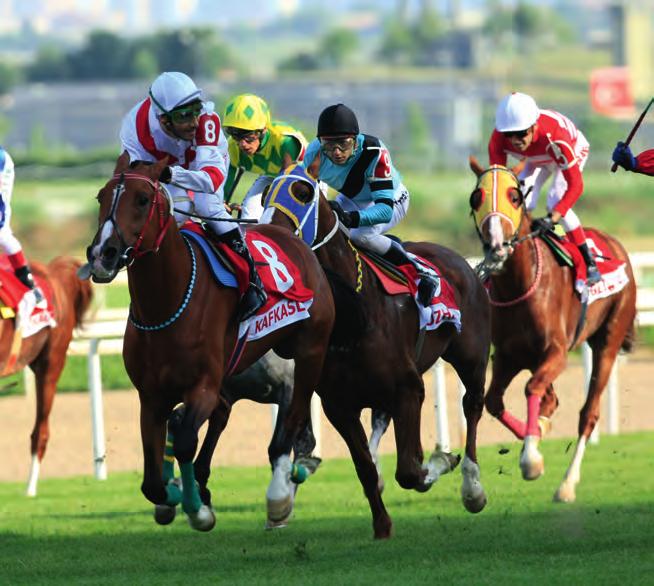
{"points": [[45, 351], [183, 329], [381, 367], [535, 317]]}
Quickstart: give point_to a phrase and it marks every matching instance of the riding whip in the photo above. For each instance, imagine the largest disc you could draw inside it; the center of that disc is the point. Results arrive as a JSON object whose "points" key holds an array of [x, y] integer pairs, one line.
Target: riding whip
{"points": [[614, 167]]}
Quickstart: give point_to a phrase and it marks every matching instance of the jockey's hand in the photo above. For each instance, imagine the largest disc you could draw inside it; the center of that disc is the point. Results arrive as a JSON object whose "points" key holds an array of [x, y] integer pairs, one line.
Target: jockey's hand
{"points": [[348, 219], [542, 225], [623, 156], [555, 216], [166, 175]]}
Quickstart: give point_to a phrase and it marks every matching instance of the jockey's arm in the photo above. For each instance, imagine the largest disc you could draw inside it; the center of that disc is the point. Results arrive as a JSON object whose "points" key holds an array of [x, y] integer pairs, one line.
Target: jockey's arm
{"points": [[379, 176], [291, 149], [575, 181]]}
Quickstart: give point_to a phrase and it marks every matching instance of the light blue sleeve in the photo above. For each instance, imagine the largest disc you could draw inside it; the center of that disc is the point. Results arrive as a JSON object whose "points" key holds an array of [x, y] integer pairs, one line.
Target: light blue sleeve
{"points": [[313, 150]]}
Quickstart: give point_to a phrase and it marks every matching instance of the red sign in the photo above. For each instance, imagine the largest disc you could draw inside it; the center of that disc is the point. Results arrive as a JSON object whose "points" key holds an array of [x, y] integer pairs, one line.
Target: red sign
{"points": [[610, 92]]}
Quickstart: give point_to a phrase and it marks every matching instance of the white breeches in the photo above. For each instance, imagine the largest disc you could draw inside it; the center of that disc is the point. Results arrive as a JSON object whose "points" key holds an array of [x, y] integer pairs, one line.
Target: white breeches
{"points": [[372, 237], [535, 177], [8, 241], [252, 205], [207, 205]]}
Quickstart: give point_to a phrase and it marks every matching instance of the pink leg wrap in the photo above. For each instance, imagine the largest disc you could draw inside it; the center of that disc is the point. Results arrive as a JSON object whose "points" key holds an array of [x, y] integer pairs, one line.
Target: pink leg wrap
{"points": [[533, 409], [515, 425]]}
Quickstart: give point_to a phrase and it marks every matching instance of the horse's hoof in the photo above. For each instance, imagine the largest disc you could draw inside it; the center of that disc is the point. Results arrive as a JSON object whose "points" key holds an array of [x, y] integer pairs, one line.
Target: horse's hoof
{"points": [[533, 469], [475, 503], [270, 525], [279, 510], [203, 520], [565, 494], [383, 529], [164, 514]]}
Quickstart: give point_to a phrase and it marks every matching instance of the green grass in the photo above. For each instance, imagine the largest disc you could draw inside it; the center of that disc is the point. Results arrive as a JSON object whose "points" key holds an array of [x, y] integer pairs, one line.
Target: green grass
{"points": [[84, 531]]}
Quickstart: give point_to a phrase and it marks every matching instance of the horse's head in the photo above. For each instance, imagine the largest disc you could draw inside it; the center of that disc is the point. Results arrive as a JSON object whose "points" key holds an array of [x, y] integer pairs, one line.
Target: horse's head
{"points": [[498, 208], [295, 194], [135, 213]]}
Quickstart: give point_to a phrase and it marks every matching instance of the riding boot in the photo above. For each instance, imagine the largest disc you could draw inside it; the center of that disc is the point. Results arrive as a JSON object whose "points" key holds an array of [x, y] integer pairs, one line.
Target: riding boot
{"points": [[428, 280], [255, 295], [24, 275], [593, 275]]}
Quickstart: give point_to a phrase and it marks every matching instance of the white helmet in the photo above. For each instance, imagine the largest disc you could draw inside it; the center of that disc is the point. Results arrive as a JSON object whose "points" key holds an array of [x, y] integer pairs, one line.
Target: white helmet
{"points": [[172, 89], [516, 112]]}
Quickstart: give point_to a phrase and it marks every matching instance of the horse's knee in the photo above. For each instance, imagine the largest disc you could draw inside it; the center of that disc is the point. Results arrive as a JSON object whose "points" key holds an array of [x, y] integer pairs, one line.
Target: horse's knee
{"points": [[494, 405], [185, 444], [407, 479]]}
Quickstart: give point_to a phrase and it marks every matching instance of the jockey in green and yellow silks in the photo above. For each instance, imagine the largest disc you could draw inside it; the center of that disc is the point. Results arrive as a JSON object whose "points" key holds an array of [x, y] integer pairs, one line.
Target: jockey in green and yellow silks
{"points": [[257, 145]]}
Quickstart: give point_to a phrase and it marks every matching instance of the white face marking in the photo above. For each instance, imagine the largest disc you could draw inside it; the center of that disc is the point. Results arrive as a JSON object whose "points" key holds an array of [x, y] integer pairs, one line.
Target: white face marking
{"points": [[105, 232], [496, 236]]}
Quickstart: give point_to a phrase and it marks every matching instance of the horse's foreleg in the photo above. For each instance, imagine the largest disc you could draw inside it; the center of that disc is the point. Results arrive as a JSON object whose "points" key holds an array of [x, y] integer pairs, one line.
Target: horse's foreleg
{"points": [[217, 423], [349, 426], [504, 371], [153, 434], [380, 421], [531, 460], [472, 492], [589, 415], [45, 394]]}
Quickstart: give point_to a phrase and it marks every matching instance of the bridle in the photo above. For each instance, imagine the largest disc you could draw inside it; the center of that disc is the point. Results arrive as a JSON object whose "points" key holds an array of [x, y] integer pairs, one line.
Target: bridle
{"points": [[158, 204]]}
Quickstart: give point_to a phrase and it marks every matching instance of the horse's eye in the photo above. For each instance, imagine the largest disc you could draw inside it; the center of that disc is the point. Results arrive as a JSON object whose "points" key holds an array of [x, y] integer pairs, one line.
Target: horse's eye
{"points": [[476, 198], [142, 200], [515, 196]]}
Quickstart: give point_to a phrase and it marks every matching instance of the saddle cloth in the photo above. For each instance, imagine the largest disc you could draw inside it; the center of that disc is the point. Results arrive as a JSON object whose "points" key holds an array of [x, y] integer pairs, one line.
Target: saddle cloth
{"points": [[288, 300], [613, 270], [17, 300], [443, 307]]}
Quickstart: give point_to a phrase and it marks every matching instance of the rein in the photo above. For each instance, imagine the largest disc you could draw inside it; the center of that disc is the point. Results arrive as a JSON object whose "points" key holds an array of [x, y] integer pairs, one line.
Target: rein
{"points": [[182, 307], [534, 285]]}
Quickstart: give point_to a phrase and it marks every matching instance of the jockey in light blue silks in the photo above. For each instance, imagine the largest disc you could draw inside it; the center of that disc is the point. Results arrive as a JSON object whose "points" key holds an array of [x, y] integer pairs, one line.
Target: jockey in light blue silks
{"points": [[371, 197]]}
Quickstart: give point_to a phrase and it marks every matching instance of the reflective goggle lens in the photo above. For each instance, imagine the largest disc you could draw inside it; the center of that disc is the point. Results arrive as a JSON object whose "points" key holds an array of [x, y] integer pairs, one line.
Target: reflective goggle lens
{"points": [[329, 145]]}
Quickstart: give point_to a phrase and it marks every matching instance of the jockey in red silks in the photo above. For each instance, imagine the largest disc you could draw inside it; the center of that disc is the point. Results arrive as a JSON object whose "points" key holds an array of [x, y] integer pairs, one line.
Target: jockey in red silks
{"points": [[8, 241], [643, 163], [551, 145], [173, 122]]}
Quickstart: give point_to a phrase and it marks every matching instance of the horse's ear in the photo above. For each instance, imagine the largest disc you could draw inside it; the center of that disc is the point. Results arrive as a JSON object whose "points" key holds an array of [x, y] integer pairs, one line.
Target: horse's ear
{"points": [[158, 167], [477, 169], [122, 163], [519, 167]]}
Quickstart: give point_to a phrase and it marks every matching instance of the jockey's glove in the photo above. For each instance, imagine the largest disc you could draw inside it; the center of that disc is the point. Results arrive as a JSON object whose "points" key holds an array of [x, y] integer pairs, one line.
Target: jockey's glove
{"points": [[348, 219], [623, 156], [542, 224], [166, 175]]}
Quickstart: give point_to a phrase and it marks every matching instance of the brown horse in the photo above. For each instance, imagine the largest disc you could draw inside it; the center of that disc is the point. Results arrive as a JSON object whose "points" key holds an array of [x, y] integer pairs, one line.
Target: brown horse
{"points": [[537, 318], [382, 363], [182, 332], [45, 351]]}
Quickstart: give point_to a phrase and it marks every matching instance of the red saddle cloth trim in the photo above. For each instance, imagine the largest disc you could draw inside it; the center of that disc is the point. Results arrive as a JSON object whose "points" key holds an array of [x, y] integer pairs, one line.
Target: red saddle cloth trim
{"points": [[604, 258], [286, 273], [393, 287], [12, 290]]}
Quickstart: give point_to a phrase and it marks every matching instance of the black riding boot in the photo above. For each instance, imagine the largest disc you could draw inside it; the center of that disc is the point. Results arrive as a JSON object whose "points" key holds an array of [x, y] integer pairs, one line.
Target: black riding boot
{"points": [[593, 275], [427, 286], [255, 295], [25, 276]]}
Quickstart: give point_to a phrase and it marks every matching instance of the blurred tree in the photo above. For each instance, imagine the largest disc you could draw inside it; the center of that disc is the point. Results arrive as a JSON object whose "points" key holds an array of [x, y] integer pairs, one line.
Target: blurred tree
{"points": [[398, 44], [300, 62], [50, 64], [144, 64], [104, 55], [337, 45], [9, 76], [418, 151]]}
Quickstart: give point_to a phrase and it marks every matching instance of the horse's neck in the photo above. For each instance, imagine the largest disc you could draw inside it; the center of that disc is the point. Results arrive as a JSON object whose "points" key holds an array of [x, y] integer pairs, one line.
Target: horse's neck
{"points": [[158, 280], [520, 269]]}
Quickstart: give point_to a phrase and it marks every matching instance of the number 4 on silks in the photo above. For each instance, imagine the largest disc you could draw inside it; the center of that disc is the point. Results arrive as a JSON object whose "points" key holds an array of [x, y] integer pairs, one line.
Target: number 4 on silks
{"points": [[280, 273]]}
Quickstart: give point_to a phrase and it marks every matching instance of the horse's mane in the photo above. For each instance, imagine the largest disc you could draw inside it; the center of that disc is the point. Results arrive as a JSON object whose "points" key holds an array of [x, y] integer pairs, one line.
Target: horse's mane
{"points": [[351, 320], [64, 269]]}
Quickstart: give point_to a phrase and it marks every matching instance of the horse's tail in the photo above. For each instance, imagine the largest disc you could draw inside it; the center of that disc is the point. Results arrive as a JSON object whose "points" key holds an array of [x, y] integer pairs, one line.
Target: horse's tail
{"points": [[82, 292], [629, 339], [351, 318]]}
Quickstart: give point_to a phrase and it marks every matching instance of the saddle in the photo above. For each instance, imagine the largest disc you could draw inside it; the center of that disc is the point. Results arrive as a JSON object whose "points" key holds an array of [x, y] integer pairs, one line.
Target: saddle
{"points": [[12, 290]]}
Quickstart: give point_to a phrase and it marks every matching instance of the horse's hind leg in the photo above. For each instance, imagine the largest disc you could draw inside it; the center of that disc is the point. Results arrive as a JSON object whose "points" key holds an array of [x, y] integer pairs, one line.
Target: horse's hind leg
{"points": [[603, 360], [380, 421], [348, 424]]}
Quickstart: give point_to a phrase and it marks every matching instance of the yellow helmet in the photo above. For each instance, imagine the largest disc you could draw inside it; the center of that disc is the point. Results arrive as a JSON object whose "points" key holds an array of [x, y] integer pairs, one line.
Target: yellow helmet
{"points": [[247, 112]]}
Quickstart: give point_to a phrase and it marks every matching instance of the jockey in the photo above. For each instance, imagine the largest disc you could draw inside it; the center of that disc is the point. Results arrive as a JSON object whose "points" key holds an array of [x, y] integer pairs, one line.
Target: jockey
{"points": [[8, 241], [173, 122], [643, 163], [551, 145], [258, 145], [371, 197]]}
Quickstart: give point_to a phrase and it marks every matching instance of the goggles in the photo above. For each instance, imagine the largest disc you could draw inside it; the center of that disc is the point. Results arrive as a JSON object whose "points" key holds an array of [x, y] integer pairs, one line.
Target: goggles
{"points": [[185, 114], [516, 133], [342, 143], [240, 135]]}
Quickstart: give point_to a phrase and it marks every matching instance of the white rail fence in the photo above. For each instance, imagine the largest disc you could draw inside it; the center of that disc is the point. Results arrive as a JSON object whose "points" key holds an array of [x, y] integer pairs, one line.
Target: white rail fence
{"points": [[104, 336]]}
